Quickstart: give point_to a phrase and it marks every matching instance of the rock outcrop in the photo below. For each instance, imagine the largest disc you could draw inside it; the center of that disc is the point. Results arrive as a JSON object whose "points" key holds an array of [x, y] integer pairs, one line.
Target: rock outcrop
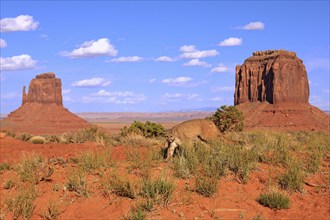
{"points": [[273, 76], [45, 88], [272, 91], [42, 110]]}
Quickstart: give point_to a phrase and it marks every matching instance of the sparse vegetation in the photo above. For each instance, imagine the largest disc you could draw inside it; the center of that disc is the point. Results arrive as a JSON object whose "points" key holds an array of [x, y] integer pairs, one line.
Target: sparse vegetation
{"points": [[274, 200], [9, 184], [4, 166], [52, 211], [160, 190], [90, 161], [114, 184], [77, 182], [228, 118], [23, 204], [206, 186], [293, 178], [38, 140]]}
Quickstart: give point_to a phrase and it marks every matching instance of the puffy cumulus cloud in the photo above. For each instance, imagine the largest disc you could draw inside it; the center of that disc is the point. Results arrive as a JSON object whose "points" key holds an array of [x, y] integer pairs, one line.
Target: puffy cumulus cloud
{"points": [[103, 96], [188, 48], [258, 25], [197, 62], [180, 81], [20, 23], [223, 89], [197, 54], [232, 41], [175, 97], [3, 43], [93, 82], [221, 68], [20, 62], [164, 59], [126, 59], [93, 48]]}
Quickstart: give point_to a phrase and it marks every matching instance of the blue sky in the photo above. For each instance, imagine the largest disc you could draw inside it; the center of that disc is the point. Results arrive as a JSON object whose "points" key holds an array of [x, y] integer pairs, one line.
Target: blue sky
{"points": [[154, 56]]}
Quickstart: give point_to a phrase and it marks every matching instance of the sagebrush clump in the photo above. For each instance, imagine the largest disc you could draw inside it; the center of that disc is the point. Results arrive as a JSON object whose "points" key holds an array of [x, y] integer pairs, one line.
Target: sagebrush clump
{"points": [[38, 140], [147, 129], [228, 118]]}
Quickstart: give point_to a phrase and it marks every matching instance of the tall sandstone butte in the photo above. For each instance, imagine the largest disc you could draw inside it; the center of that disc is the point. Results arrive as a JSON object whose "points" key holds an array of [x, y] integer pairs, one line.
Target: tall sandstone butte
{"points": [[42, 110], [272, 91]]}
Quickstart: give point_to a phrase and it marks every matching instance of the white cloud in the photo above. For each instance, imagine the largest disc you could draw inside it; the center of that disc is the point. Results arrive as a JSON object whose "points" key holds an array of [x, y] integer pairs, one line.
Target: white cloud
{"points": [[232, 41], [221, 68], [165, 59], [180, 81], [223, 89], [126, 59], [197, 62], [93, 48], [258, 25], [197, 54], [20, 62], [152, 80], [175, 97], [3, 43], [10, 95], [20, 23], [93, 82], [188, 48], [103, 96], [66, 91]]}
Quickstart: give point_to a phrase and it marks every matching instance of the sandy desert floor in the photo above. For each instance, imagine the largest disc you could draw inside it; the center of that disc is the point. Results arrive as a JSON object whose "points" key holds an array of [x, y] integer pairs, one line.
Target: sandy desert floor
{"points": [[233, 199]]}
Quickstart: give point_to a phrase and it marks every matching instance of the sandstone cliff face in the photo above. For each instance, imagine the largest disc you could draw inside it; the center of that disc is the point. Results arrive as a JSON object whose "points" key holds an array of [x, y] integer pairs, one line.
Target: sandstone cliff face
{"points": [[42, 110], [273, 76], [45, 88], [272, 91]]}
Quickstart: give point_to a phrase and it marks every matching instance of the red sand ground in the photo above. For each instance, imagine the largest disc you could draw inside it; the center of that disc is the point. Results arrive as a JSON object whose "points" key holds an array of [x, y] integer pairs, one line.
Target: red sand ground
{"points": [[232, 201]]}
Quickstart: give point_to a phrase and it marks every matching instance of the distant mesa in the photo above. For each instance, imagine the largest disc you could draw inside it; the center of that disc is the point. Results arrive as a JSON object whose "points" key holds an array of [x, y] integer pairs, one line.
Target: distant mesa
{"points": [[42, 110], [272, 91]]}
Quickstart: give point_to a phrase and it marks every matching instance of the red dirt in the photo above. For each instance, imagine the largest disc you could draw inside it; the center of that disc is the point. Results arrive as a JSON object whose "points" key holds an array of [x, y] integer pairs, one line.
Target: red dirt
{"points": [[232, 201]]}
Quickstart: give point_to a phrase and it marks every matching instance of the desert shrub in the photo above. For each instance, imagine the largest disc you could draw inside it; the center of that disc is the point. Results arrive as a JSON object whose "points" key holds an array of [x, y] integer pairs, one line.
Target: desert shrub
{"points": [[92, 134], [33, 168], [56, 187], [23, 204], [10, 134], [92, 161], [228, 118], [136, 213], [23, 137], [147, 129], [38, 140], [114, 184], [206, 186], [137, 162], [9, 184], [293, 178], [137, 140], [274, 200], [77, 182], [185, 164], [4, 166], [52, 211], [159, 190]]}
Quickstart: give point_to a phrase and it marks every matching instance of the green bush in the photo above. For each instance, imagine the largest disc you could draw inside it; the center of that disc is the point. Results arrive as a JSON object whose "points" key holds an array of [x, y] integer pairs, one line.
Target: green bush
{"points": [[33, 168], [77, 182], [38, 140], [147, 129], [274, 200], [228, 118], [116, 185], [90, 161]]}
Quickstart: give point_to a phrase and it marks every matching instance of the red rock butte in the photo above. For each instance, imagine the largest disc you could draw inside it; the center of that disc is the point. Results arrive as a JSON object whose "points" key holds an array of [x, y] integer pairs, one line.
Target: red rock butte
{"points": [[272, 91], [42, 110]]}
